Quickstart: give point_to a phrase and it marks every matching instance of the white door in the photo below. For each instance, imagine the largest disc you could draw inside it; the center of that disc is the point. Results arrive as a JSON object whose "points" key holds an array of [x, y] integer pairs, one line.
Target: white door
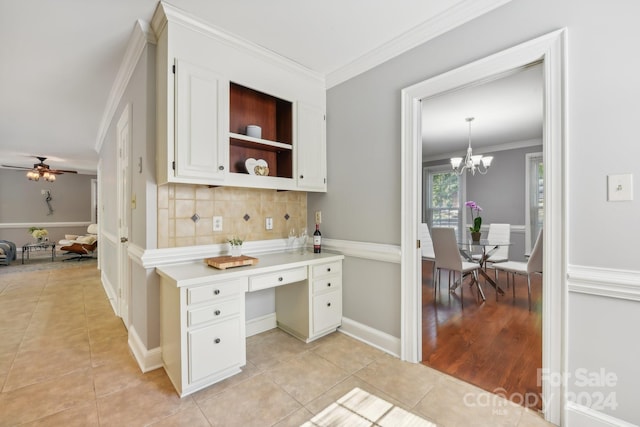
{"points": [[123, 179], [311, 148]]}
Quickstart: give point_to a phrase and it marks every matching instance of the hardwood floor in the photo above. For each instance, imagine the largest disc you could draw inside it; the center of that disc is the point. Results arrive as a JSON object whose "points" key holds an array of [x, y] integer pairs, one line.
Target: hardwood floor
{"points": [[496, 346]]}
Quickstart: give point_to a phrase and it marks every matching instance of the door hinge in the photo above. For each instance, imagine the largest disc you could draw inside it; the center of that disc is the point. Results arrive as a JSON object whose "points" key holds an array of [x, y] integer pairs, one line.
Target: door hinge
{"points": [[173, 165], [325, 180], [418, 244], [173, 69]]}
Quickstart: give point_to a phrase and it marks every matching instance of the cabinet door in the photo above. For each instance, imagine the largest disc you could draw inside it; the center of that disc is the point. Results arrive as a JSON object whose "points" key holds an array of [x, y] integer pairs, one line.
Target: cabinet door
{"points": [[215, 348], [201, 101], [327, 311], [310, 148]]}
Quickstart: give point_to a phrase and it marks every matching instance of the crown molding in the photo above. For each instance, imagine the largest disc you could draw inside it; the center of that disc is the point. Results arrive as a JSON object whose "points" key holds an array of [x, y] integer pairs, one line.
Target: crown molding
{"points": [[140, 36], [168, 13], [447, 20]]}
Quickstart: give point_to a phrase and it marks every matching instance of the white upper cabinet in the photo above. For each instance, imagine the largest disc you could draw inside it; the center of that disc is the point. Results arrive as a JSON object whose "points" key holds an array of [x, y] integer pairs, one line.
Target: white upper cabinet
{"points": [[220, 86], [311, 148], [200, 148]]}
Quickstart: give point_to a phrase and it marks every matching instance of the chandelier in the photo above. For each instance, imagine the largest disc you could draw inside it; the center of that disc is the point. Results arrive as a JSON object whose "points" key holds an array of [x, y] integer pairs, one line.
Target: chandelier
{"points": [[471, 163]]}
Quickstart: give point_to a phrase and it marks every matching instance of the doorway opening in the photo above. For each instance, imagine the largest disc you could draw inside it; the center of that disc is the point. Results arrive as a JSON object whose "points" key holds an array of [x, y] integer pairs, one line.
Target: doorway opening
{"points": [[549, 51], [495, 344]]}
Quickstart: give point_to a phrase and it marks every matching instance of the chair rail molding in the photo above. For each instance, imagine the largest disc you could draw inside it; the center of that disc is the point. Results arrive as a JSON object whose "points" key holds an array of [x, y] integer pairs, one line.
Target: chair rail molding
{"points": [[605, 282], [45, 224]]}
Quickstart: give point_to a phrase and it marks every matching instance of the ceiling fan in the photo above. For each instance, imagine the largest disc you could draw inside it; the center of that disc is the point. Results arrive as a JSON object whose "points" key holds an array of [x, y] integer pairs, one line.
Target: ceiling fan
{"points": [[41, 170]]}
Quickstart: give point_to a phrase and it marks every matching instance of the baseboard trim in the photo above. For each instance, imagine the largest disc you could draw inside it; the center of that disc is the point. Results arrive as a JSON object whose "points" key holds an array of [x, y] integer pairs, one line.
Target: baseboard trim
{"points": [[260, 324], [373, 337], [108, 288], [578, 415], [148, 360]]}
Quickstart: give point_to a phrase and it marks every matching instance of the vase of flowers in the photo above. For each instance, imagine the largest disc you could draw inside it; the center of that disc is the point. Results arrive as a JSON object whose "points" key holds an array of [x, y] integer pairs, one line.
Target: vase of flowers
{"points": [[236, 246], [38, 233], [476, 219]]}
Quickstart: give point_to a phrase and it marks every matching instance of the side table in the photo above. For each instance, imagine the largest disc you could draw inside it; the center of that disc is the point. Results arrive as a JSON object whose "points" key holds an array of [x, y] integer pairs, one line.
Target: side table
{"points": [[29, 247]]}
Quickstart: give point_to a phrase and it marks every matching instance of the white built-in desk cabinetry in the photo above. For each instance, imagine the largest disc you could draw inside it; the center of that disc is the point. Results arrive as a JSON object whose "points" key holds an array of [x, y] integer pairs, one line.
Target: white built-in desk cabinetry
{"points": [[202, 311]]}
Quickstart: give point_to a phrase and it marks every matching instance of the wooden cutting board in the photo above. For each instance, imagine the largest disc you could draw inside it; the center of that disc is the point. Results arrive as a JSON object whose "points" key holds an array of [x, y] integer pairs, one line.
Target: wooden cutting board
{"points": [[227, 261]]}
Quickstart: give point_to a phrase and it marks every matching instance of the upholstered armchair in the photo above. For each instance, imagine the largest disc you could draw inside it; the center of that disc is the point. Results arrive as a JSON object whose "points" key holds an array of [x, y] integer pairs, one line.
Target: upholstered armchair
{"points": [[80, 247], [7, 252]]}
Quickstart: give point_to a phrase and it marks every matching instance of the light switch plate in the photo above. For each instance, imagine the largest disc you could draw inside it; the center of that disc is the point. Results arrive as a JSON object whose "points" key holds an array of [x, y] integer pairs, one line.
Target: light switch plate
{"points": [[620, 187], [318, 217]]}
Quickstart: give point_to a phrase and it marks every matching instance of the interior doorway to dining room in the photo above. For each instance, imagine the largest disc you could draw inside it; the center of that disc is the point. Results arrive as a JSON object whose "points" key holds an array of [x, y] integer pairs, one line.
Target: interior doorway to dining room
{"points": [[496, 343]]}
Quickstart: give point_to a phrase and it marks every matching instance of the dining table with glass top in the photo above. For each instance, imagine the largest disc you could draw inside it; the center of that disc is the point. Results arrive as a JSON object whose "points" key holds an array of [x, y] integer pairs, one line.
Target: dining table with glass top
{"points": [[485, 248]]}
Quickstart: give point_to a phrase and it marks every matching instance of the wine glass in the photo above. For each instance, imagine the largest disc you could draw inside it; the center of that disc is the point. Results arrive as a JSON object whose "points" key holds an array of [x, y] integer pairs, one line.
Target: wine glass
{"points": [[303, 240], [292, 238]]}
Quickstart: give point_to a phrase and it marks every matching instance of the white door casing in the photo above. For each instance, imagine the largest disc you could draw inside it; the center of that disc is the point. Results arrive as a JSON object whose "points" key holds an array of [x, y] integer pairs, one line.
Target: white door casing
{"points": [[550, 49], [123, 182]]}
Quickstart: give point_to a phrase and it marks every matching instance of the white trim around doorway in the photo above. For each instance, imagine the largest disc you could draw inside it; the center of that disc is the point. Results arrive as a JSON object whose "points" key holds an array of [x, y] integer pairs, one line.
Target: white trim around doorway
{"points": [[550, 50]]}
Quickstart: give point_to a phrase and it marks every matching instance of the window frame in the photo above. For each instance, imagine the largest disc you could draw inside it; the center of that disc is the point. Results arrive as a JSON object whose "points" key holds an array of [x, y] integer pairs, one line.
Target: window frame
{"points": [[530, 158], [427, 173]]}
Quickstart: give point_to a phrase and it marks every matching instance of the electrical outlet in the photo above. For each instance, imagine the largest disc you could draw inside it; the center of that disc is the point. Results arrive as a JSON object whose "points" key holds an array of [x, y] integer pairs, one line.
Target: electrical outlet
{"points": [[217, 223], [318, 217], [268, 223]]}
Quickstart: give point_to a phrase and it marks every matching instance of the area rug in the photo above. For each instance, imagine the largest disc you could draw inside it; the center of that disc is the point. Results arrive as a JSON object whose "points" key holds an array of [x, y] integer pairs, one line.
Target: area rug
{"points": [[39, 262], [359, 408]]}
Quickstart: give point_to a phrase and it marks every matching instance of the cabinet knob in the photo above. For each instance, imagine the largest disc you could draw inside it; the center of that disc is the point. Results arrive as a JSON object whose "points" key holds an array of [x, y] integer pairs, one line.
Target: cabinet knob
{"points": [[216, 292], [221, 167], [329, 270], [301, 176], [280, 279], [217, 312], [328, 304], [217, 341], [328, 285]]}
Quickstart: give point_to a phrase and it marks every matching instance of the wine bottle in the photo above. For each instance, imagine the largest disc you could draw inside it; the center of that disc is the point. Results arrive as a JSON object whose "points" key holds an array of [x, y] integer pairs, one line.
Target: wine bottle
{"points": [[317, 240]]}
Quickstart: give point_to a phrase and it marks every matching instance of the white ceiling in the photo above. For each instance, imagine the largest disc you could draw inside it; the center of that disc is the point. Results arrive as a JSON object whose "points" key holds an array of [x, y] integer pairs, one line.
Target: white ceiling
{"points": [[506, 110], [60, 58]]}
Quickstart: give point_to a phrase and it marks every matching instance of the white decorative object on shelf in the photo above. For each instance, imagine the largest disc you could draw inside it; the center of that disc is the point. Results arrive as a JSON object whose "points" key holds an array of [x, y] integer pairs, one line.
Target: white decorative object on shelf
{"points": [[257, 167], [254, 131]]}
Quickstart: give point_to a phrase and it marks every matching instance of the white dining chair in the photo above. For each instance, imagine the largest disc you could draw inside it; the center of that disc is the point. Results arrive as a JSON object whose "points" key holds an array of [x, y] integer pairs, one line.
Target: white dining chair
{"points": [[426, 248], [448, 257], [533, 265]]}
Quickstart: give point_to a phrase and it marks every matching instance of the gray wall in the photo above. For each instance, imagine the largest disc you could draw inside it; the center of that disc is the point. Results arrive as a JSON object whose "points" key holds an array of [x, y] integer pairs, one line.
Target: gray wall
{"points": [[501, 193], [363, 137], [140, 94], [23, 202]]}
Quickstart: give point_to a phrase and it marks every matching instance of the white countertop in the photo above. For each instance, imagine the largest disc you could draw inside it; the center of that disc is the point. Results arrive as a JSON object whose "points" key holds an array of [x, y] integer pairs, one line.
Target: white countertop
{"points": [[198, 272]]}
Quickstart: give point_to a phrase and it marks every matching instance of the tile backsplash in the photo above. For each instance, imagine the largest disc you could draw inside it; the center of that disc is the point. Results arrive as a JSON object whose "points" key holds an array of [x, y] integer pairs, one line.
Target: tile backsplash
{"points": [[243, 212]]}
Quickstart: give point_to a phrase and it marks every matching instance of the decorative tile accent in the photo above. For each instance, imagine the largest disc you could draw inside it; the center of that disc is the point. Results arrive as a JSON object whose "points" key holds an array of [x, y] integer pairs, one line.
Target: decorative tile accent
{"points": [[195, 217], [246, 217], [286, 216]]}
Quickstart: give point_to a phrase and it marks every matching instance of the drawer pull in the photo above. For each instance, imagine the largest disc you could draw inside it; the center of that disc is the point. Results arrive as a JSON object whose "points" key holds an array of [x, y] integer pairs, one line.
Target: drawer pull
{"points": [[216, 292], [280, 279], [217, 341], [328, 304], [217, 312]]}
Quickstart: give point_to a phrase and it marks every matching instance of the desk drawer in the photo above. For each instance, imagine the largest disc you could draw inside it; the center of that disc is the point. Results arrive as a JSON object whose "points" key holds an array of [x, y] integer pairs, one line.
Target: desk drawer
{"points": [[327, 284], [210, 292], [217, 310], [271, 280], [326, 269]]}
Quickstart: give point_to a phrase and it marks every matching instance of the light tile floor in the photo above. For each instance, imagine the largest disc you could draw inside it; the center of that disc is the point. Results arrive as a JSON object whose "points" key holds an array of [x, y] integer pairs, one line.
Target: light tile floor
{"points": [[64, 360]]}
